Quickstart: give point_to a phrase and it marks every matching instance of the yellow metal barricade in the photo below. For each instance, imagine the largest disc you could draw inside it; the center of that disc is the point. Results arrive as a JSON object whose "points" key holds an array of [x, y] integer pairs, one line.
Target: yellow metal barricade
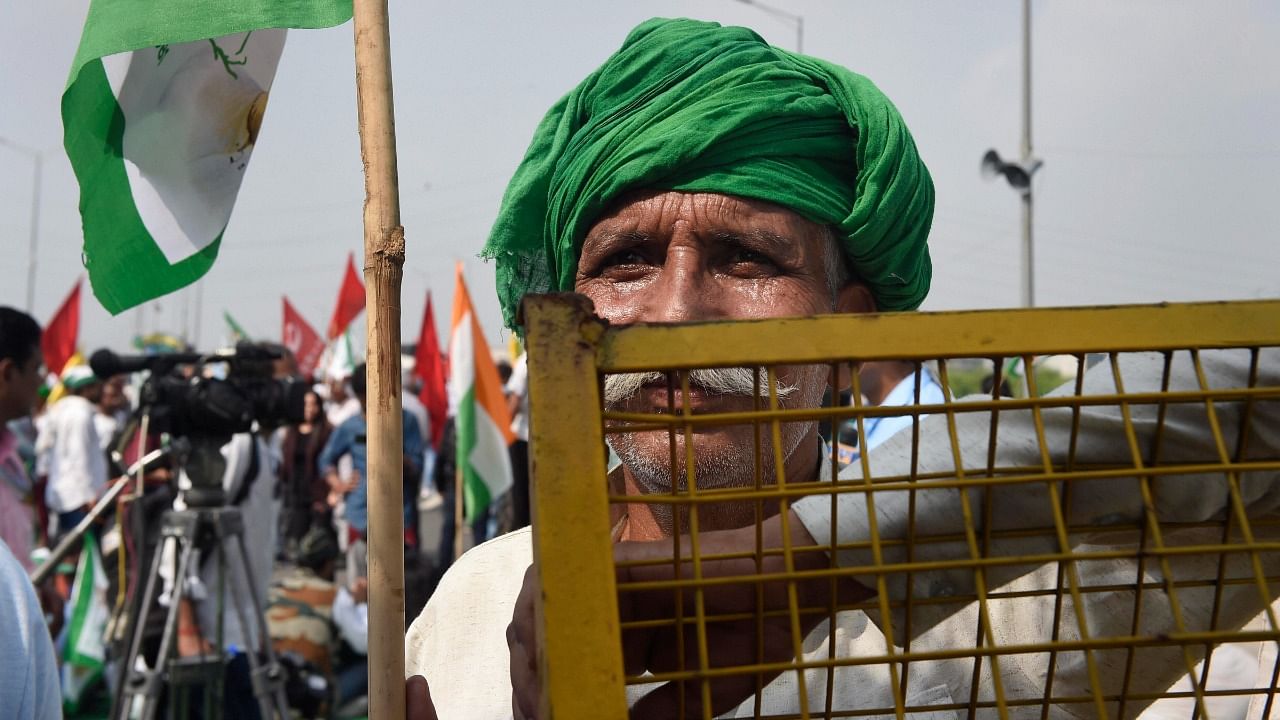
{"points": [[1085, 552]]}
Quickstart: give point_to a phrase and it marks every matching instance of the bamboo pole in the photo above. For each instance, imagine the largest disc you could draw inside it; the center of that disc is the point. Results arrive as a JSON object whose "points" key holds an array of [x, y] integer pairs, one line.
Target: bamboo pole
{"points": [[383, 261]]}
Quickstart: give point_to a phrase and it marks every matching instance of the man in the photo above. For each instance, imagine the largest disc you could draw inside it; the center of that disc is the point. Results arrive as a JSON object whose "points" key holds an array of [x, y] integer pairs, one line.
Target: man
{"points": [[890, 383], [20, 376], [350, 440], [71, 450], [113, 411], [517, 389], [699, 174], [340, 406]]}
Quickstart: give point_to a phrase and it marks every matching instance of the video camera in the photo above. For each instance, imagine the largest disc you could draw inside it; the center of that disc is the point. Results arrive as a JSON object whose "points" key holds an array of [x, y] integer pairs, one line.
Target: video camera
{"points": [[193, 404], [180, 399]]}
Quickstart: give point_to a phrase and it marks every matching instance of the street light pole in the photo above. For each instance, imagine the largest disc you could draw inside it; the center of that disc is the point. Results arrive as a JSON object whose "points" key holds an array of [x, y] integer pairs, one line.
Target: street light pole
{"points": [[37, 173], [1028, 248], [1020, 172], [784, 15]]}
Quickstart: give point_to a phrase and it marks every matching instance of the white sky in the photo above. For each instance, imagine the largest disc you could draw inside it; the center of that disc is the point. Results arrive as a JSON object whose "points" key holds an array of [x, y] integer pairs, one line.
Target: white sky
{"points": [[1157, 121]]}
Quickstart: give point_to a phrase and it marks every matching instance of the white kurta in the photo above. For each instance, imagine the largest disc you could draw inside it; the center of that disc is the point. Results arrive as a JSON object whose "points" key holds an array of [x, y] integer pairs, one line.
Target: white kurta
{"points": [[71, 453], [459, 643]]}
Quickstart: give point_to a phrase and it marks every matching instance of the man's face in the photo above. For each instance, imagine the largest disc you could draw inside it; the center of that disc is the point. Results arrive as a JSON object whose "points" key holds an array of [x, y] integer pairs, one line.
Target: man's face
{"points": [[337, 389], [673, 257], [113, 397], [19, 385]]}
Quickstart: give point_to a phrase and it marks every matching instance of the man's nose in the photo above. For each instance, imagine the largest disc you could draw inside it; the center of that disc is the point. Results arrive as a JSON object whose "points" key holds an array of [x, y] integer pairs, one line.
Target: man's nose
{"points": [[685, 290]]}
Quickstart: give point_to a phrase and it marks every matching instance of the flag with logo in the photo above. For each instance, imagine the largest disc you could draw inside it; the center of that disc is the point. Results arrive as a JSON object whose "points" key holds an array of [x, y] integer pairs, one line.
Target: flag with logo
{"points": [[58, 341], [301, 340], [350, 300], [341, 359], [85, 652], [237, 333], [160, 115], [429, 367], [482, 423]]}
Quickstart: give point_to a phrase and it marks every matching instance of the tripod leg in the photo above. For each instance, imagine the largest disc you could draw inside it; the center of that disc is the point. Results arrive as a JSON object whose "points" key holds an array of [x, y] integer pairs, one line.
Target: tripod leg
{"points": [[126, 692], [151, 697], [265, 676]]}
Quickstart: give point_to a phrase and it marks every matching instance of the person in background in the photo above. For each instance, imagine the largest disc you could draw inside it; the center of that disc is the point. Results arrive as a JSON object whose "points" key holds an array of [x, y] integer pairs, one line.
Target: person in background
{"points": [[889, 383], [300, 621], [304, 488], [411, 404], [351, 616], [342, 404], [70, 451], [20, 376], [518, 405], [350, 440], [29, 685], [113, 410]]}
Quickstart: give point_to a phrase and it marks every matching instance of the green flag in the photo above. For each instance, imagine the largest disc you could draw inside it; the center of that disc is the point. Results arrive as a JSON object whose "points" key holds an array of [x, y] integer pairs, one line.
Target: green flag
{"points": [[237, 333], [160, 115], [84, 654]]}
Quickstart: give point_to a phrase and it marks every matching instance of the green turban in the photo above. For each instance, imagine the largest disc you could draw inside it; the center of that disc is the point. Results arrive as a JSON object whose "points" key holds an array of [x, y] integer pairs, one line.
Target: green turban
{"points": [[693, 106]]}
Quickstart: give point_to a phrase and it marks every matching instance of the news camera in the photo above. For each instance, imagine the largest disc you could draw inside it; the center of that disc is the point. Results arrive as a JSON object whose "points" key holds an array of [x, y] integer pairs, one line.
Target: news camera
{"points": [[206, 398]]}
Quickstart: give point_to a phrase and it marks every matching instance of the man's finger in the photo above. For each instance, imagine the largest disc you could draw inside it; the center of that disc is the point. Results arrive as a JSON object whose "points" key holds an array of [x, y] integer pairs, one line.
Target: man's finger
{"points": [[417, 700], [526, 691]]}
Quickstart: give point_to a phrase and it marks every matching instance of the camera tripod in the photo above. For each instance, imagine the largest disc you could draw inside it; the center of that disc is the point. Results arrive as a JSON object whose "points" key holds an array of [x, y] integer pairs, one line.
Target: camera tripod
{"points": [[213, 528]]}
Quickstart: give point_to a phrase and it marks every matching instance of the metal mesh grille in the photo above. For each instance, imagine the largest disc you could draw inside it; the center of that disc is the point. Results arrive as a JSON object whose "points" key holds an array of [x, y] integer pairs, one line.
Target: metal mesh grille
{"points": [[1083, 550]]}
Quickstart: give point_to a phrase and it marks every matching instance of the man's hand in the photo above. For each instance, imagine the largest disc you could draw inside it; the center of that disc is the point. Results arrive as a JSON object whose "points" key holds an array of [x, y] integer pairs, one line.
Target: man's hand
{"points": [[729, 642], [417, 700], [526, 692], [360, 590]]}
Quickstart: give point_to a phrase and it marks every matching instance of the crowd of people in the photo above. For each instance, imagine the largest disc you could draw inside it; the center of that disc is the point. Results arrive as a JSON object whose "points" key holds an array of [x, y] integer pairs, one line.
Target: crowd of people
{"points": [[300, 488]]}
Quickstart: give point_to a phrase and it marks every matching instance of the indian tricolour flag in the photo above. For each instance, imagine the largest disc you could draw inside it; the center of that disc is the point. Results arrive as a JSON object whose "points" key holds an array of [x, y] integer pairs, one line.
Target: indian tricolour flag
{"points": [[482, 422], [160, 115]]}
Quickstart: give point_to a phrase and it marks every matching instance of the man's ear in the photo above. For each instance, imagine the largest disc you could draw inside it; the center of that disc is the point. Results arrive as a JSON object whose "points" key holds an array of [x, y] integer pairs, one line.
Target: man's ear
{"points": [[854, 297]]}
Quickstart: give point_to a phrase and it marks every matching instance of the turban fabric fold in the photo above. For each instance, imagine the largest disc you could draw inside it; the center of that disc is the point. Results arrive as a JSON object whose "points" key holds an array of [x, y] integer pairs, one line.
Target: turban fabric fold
{"points": [[693, 106]]}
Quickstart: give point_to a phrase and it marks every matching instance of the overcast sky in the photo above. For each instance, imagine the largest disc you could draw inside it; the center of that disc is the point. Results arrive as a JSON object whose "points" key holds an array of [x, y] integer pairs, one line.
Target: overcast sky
{"points": [[1158, 121]]}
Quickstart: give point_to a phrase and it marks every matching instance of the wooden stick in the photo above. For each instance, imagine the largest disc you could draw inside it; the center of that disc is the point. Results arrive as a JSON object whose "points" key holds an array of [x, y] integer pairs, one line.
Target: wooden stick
{"points": [[383, 263]]}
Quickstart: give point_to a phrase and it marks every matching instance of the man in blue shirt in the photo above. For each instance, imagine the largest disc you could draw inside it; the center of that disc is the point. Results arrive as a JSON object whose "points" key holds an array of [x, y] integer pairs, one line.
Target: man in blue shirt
{"points": [[350, 439], [892, 384]]}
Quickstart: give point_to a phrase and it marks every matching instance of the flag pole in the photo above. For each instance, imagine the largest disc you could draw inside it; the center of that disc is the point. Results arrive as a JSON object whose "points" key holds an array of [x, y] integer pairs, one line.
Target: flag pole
{"points": [[383, 268]]}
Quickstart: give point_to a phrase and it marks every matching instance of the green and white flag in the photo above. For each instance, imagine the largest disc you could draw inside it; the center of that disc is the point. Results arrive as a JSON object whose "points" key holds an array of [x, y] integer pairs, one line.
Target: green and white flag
{"points": [[85, 651], [341, 360], [237, 333], [160, 115]]}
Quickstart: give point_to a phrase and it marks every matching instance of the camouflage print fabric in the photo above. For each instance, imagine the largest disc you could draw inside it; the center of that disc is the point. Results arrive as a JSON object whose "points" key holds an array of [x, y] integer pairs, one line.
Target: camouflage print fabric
{"points": [[300, 617]]}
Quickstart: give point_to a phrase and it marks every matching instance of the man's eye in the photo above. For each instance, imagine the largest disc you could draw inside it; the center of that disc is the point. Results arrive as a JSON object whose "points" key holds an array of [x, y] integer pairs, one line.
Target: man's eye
{"points": [[750, 260], [623, 260]]}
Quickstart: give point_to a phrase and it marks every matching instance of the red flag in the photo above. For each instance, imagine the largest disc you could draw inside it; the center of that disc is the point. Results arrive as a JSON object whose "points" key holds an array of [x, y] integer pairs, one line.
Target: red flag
{"points": [[429, 367], [301, 340], [350, 300], [58, 343]]}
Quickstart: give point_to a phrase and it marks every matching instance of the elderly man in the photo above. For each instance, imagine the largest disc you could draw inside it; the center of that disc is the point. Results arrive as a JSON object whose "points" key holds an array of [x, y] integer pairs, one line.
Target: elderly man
{"points": [[700, 174]]}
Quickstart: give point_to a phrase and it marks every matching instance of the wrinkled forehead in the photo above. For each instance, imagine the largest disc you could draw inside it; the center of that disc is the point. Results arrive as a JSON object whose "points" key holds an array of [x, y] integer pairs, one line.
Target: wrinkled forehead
{"points": [[659, 210]]}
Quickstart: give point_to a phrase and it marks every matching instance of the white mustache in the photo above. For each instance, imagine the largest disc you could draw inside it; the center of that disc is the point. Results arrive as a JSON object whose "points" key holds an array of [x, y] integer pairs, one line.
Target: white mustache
{"points": [[717, 381]]}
